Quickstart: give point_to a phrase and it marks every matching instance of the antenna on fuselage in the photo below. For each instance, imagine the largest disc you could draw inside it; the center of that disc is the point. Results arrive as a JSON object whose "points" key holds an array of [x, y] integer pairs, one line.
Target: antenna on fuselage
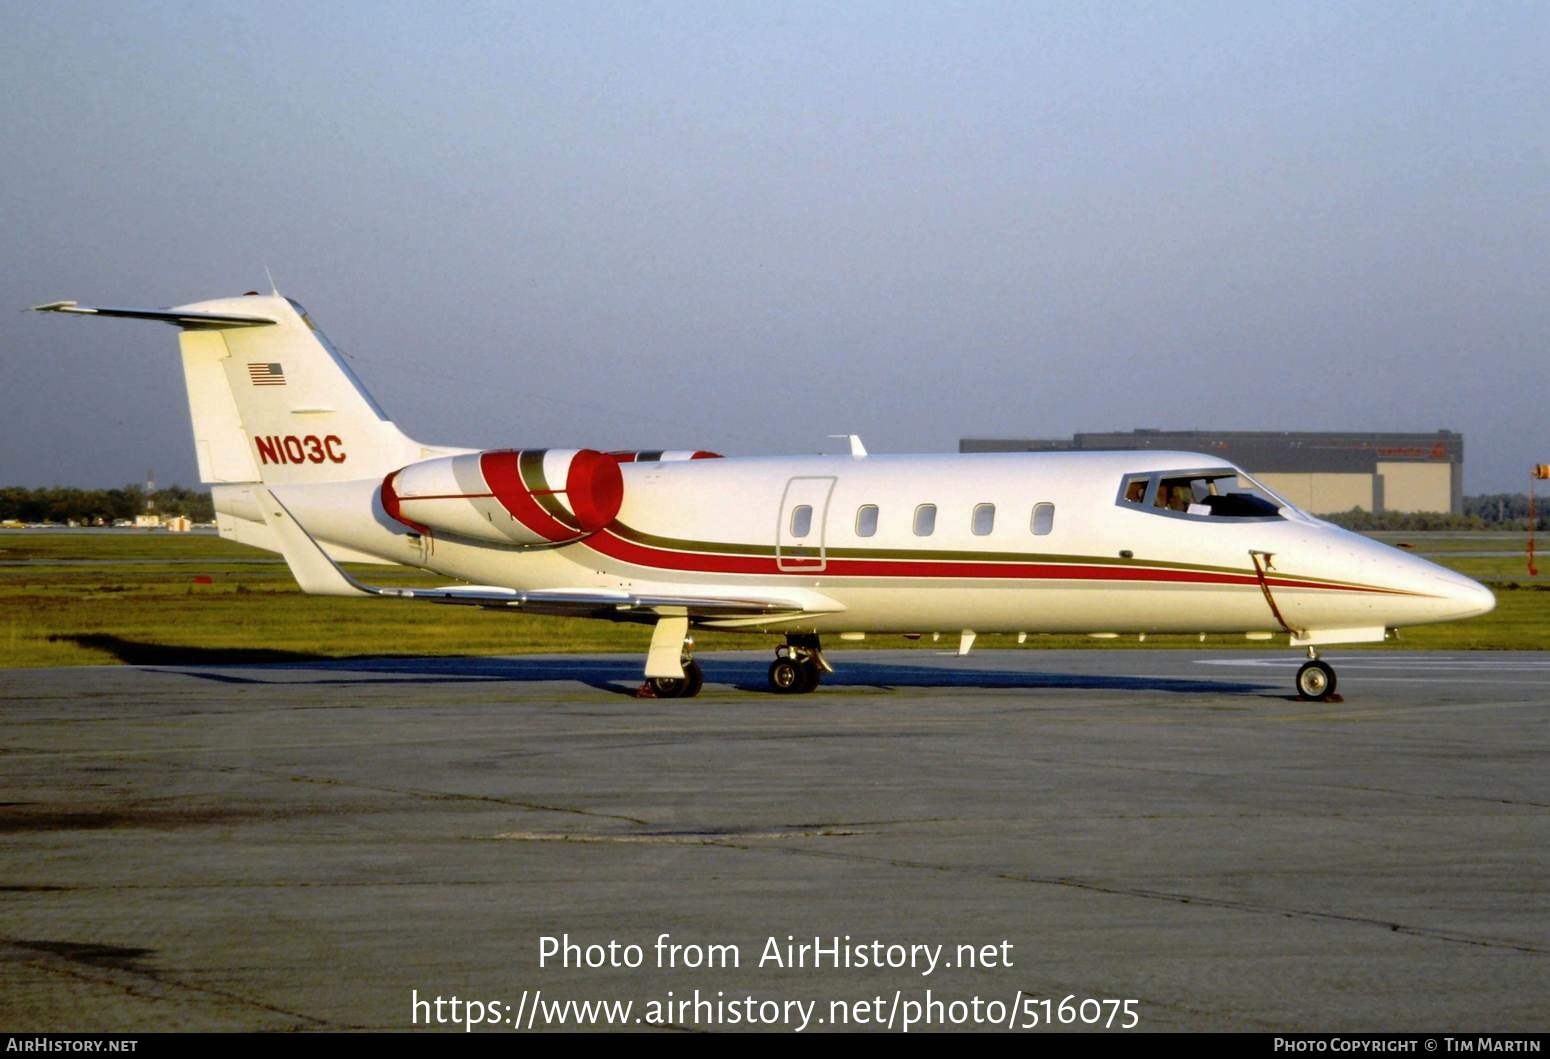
{"points": [[857, 450]]}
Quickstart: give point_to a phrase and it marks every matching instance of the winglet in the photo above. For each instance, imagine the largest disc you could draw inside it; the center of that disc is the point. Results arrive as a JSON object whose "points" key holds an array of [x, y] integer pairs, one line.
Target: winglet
{"points": [[314, 571]]}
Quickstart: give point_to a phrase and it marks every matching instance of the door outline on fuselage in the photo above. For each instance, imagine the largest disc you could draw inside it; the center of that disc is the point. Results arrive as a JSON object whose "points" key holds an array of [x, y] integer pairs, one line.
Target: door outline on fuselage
{"points": [[806, 554]]}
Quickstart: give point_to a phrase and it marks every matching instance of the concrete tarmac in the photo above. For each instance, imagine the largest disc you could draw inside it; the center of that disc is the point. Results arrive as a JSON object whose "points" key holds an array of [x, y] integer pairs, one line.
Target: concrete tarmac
{"points": [[315, 846]]}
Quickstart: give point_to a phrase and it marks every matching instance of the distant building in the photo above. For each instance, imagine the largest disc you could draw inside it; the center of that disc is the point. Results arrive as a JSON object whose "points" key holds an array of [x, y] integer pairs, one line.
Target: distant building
{"points": [[1320, 473]]}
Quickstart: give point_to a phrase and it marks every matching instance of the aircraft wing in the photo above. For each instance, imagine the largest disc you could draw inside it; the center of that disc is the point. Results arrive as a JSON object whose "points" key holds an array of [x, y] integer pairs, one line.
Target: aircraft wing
{"points": [[601, 603], [318, 574]]}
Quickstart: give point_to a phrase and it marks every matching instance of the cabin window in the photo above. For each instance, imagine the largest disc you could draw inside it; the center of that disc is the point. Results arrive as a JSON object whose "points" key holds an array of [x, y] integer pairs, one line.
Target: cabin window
{"points": [[866, 520], [1043, 519], [984, 519], [801, 521], [925, 520], [1135, 488]]}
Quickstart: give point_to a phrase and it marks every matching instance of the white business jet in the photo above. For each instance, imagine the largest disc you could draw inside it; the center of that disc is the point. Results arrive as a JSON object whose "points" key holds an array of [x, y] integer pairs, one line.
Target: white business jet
{"points": [[305, 463]]}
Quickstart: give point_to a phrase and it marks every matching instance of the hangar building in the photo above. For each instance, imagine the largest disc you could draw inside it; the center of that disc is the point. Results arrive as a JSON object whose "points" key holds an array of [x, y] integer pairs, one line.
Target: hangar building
{"points": [[1321, 473]]}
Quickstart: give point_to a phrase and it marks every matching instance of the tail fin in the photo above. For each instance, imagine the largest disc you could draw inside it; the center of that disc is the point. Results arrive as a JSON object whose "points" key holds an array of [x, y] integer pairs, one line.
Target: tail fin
{"points": [[272, 400]]}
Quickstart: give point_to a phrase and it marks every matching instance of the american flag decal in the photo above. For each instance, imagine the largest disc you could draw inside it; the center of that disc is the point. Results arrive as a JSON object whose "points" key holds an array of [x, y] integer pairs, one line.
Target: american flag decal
{"points": [[266, 375]]}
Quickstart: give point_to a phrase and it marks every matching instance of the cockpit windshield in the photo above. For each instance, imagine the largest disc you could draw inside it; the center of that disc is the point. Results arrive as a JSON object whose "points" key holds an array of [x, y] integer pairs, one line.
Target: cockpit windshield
{"points": [[1218, 492]]}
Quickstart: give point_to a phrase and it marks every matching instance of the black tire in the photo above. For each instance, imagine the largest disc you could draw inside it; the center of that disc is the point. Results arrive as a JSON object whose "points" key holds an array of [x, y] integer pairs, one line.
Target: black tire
{"points": [[667, 687], [811, 675], [1315, 681], [786, 677], [684, 687], [696, 677], [679, 687]]}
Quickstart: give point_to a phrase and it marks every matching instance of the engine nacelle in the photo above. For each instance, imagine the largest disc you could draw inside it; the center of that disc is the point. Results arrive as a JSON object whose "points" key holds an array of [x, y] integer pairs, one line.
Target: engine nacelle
{"points": [[531, 497], [663, 455]]}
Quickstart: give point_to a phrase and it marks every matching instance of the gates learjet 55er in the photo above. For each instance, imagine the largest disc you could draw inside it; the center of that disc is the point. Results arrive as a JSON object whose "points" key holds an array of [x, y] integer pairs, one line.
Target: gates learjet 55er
{"points": [[303, 462]]}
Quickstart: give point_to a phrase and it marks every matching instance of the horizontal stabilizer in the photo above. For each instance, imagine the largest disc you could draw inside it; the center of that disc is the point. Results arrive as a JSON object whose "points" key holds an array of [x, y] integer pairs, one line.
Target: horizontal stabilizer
{"points": [[166, 316]]}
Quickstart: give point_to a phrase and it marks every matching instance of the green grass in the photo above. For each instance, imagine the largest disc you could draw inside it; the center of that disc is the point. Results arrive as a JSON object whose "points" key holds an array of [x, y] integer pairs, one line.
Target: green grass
{"points": [[94, 599], [131, 597], [1454, 540]]}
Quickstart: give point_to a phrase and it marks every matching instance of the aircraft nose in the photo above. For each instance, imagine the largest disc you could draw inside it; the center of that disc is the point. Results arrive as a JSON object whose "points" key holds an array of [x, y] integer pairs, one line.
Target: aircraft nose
{"points": [[1466, 597]]}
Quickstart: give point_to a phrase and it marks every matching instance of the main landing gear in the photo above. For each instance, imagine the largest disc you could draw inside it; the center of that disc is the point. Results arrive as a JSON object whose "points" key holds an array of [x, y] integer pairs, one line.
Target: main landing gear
{"points": [[1315, 680], [684, 687], [798, 665], [671, 671]]}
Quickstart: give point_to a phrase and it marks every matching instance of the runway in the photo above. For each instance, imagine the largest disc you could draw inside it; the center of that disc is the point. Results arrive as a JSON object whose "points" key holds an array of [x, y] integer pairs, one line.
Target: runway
{"points": [[316, 846]]}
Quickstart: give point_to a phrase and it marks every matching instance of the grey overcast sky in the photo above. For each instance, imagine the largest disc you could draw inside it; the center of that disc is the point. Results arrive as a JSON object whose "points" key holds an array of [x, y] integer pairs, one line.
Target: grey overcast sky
{"points": [[745, 227]]}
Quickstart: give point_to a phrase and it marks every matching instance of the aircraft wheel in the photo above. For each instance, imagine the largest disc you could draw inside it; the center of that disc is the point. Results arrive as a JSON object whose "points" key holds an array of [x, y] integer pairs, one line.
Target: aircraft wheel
{"points": [[1315, 680], [684, 687], [696, 678], [788, 677], [811, 674]]}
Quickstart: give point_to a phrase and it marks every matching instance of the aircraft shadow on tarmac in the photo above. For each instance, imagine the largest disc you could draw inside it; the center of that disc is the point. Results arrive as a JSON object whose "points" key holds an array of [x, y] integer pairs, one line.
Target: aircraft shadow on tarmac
{"points": [[136, 653], [613, 675]]}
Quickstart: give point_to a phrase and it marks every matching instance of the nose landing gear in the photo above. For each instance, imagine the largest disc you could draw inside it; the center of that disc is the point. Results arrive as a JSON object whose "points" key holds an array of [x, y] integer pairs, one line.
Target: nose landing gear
{"points": [[1315, 680]]}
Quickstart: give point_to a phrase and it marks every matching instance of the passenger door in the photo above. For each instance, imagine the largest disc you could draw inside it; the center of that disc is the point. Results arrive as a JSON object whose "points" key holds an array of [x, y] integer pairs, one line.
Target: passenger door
{"points": [[799, 537]]}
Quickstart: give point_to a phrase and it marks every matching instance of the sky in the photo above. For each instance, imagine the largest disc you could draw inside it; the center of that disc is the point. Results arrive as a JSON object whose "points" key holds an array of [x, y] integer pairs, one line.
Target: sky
{"points": [[746, 227]]}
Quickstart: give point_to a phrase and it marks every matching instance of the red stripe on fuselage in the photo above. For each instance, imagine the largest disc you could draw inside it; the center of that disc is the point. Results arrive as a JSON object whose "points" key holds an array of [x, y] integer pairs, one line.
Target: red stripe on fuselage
{"points": [[449, 496], [616, 547]]}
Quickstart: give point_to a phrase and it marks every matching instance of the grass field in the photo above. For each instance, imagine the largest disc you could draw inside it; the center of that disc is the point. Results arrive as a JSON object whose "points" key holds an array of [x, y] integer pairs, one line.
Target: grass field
{"points": [[131, 596]]}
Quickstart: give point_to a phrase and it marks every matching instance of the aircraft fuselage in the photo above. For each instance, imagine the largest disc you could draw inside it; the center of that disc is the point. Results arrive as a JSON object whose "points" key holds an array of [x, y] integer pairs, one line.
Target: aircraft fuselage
{"points": [[987, 558]]}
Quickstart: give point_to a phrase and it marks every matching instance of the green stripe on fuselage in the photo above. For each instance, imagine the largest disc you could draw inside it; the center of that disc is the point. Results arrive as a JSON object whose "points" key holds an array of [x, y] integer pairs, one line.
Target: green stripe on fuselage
{"points": [[674, 544]]}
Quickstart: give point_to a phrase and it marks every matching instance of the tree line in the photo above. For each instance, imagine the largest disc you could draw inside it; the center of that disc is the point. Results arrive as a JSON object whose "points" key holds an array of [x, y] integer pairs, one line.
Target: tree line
{"points": [[100, 506], [1497, 511]]}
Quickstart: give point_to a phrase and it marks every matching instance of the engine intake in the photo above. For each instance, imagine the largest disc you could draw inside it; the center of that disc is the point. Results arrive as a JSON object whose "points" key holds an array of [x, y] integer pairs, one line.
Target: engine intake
{"points": [[528, 497]]}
